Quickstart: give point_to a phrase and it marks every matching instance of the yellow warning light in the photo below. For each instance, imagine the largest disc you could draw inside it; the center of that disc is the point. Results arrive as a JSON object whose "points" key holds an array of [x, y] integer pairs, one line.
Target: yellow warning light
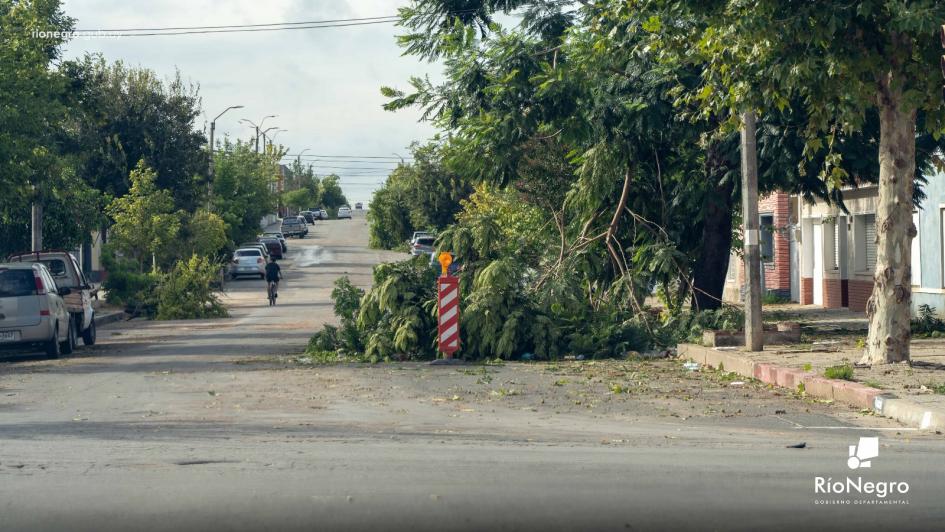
{"points": [[445, 260]]}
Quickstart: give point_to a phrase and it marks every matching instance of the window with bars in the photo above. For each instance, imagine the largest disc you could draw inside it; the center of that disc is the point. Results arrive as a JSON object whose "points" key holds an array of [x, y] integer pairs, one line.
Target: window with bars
{"points": [[767, 237]]}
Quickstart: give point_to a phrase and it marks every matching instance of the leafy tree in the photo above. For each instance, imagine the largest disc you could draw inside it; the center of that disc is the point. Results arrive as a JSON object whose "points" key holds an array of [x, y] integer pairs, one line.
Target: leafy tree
{"points": [[186, 292], [205, 234], [145, 223], [121, 115], [421, 195], [32, 111], [242, 188], [843, 62], [331, 195]]}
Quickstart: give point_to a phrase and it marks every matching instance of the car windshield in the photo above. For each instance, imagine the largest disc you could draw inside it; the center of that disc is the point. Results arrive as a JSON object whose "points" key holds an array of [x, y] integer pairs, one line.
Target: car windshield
{"points": [[426, 241], [16, 283], [248, 253]]}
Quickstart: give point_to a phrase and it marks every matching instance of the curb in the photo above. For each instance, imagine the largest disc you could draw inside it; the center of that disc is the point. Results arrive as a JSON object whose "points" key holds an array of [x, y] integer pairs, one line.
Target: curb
{"points": [[885, 404], [108, 317]]}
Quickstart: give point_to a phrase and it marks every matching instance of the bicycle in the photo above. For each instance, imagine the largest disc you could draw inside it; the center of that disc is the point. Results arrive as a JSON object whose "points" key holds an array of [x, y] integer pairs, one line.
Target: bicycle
{"points": [[271, 292]]}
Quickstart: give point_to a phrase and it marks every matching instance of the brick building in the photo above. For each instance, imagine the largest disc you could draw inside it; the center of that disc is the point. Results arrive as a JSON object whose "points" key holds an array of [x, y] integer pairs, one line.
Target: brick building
{"points": [[778, 216]]}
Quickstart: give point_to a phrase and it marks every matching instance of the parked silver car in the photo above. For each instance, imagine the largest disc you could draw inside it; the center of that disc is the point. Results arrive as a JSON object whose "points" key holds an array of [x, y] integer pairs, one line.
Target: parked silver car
{"points": [[32, 310], [248, 261], [65, 270]]}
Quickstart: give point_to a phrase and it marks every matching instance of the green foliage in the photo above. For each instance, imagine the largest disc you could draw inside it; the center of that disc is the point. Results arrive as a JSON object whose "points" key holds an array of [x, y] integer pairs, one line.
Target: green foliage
{"points": [[928, 323], [843, 372], [186, 292], [204, 234], [127, 286], [423, 195], [120, 115], [145, 224], [241, 188], [772, 298], [330, 194]]}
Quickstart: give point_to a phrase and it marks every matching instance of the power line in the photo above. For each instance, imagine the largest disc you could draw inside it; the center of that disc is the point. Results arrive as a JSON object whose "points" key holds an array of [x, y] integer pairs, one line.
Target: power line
{"points": [[271, 26], [172, 28], [249, 30]]}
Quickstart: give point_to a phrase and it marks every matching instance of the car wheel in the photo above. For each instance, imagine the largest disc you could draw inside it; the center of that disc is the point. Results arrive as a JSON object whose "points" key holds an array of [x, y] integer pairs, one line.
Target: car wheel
{"points": [[68, 346], [89, 335], [52, 346]]}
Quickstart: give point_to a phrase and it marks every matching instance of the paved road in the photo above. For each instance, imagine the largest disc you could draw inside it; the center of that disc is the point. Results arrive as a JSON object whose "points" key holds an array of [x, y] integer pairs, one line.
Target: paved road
{"points": [[209, 425]]}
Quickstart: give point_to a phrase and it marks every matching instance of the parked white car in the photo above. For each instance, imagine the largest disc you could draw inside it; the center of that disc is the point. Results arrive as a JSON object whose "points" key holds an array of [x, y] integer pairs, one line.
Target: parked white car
{"points": [[66, 272], [248, 261], [32, 310]]}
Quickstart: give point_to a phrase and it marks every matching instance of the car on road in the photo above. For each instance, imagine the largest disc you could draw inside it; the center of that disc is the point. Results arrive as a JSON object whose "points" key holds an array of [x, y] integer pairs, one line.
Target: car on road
{"points": [[304, 225], [316, 214], [65, 270], [273, 246], [422, 245], [248, 261], [258, 245], [323, 214], [32, 309], [358, 206], [344, 212], [308, 215], [280, 237], [292, 227], [417, 234]]}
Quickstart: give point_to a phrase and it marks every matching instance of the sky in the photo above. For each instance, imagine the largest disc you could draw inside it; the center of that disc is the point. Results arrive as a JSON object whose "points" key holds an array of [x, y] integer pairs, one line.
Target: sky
{"points": [[324, 84]]}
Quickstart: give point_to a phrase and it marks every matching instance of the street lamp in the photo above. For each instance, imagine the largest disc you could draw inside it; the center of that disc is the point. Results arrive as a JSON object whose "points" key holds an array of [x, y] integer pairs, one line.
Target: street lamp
{"points": [[261, 122], [213, 127], [273, 139]]}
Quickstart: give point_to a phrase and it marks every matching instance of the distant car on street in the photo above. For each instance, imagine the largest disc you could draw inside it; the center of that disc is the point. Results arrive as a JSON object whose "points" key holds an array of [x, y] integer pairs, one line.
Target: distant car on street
{"points": [[422, 245], [304, 224], [258, 245], [280, 237], [318, 214], [34, 311], [273, 246], [344, 212], [309, 216], [248, 261], [291, 226], [358, 206], [323, 213], [65, 270]]}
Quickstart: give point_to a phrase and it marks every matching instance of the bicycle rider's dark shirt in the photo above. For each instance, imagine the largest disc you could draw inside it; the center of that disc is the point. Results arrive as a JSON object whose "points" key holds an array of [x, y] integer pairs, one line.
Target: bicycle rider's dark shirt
{"points": [[272, 272]]}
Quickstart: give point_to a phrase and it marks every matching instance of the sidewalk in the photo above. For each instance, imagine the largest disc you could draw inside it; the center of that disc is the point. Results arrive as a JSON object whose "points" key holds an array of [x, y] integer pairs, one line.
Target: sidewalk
{"points": [[912, 394]]}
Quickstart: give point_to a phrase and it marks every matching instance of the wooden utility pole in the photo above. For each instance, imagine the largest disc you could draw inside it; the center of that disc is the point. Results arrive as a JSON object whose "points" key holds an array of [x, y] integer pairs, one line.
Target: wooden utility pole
{"points": [[36, 226], [754, 333]]}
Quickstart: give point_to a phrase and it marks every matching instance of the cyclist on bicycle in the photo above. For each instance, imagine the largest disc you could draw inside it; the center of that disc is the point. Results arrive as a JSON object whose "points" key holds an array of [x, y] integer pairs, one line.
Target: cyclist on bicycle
{"points": [[273, 274]]}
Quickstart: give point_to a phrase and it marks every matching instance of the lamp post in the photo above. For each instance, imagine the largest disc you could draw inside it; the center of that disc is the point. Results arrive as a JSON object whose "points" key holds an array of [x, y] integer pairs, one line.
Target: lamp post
{"points": [[265, 138], [261, 122], [213, 127], [273, 139]]}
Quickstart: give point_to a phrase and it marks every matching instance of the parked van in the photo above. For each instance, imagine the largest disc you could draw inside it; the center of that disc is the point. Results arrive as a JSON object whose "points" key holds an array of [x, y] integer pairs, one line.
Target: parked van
{"points": [[32, 309], [66, 272]]}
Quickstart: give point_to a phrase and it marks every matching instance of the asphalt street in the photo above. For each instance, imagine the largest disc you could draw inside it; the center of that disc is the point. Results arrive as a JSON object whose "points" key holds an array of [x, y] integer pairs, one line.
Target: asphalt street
{"points": [[213, 425]]}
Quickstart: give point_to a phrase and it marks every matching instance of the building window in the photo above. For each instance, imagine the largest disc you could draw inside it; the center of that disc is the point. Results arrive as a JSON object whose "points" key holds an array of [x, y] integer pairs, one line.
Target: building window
{"points": [[916, 253], [864, 242], [767, 237]]}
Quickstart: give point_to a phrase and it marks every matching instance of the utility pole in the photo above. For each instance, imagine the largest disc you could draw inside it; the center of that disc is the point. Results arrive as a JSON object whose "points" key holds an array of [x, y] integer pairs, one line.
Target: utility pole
{"points": [[213, 127], [36, 223], [754, 333]]}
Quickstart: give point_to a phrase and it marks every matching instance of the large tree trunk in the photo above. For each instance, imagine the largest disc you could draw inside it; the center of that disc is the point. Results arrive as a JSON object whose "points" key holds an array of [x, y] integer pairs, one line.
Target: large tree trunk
{"points": [[708, 275], [889, 308]]}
